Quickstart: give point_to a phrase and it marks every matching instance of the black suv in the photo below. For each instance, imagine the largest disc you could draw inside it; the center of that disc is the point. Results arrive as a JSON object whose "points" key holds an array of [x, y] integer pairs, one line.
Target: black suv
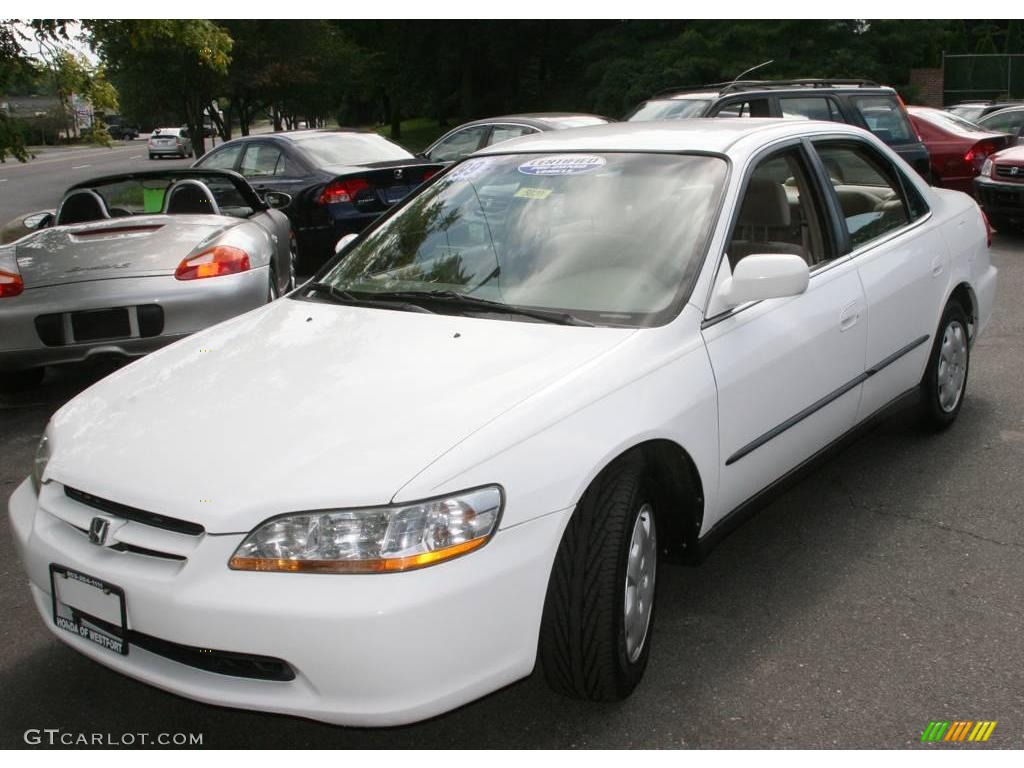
{"points": [[859, 102]]}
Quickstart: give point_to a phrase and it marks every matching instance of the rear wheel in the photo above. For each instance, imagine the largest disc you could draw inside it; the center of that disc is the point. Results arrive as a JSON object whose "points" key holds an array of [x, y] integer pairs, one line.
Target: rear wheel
{"points": [[945, 379], [16, 381], [152, 156], [599, 610]]}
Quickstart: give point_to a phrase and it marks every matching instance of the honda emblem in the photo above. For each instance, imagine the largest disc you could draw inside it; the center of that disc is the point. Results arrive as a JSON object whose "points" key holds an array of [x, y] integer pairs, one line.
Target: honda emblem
{"points": [[98, 530], [399, 173], [1015, 170]]}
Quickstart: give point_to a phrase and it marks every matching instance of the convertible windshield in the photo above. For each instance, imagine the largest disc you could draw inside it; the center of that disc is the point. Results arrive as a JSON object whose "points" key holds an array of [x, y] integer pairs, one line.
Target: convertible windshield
{"points": [[608, 238]]}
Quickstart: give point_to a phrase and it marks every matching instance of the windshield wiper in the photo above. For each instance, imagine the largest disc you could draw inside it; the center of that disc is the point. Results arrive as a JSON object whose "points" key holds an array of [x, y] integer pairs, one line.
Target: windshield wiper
{"points": [[452, 298], [347, 297]]}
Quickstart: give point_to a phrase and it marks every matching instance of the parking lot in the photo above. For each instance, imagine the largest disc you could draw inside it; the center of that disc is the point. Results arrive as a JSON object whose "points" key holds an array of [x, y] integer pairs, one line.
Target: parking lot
{"points": [[882, 592]]}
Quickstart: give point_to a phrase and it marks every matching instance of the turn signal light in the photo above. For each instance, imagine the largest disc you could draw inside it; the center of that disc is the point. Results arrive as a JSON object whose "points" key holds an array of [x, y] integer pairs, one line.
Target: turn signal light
{"points": [[342, 191], [220, 260], [11, 284]]}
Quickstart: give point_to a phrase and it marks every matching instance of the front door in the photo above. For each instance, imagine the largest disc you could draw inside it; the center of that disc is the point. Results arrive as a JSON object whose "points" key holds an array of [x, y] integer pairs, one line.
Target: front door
{"points": [[789, 371]]}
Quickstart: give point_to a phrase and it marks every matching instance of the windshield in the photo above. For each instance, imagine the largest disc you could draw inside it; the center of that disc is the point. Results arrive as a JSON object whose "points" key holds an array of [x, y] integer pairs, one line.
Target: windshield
{"points": [[968, 113], [670, 109], [611, 238], [351, 149]]}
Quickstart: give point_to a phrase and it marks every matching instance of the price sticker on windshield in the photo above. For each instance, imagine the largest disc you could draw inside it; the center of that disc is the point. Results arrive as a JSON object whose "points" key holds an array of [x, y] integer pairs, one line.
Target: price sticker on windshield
{"points": [[533, 193], [562, 165]]}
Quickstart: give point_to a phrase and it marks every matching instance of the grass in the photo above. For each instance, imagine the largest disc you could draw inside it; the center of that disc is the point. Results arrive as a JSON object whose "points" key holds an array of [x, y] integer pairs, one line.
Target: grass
{"points": [[417, 134]]}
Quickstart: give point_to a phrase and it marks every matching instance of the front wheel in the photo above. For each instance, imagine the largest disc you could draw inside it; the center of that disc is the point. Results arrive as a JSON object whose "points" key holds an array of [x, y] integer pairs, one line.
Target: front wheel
{"points": [[945, 379], [599, 609]]}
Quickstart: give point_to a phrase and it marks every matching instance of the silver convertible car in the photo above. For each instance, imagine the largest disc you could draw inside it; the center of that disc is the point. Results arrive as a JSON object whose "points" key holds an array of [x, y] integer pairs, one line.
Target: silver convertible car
{"points": [[133, 262]]}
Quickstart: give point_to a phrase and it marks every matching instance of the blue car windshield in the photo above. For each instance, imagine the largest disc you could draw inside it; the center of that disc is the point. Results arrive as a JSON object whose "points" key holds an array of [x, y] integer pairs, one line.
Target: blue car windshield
{"points": [[609, 237]]}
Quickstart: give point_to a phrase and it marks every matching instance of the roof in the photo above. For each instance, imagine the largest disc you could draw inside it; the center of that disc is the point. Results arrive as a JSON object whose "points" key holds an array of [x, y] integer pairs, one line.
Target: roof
{"points": [[542, 120], [699, 134], [716, 90]]}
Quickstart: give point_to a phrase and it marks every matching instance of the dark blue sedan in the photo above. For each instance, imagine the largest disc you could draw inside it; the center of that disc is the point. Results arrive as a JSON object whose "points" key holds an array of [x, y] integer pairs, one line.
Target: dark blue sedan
{"points": [[339, 181]]}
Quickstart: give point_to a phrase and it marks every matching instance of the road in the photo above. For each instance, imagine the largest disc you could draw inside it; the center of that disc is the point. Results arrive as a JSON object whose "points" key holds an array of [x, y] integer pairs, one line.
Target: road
{"points": [[882, 592], [38, 184]]}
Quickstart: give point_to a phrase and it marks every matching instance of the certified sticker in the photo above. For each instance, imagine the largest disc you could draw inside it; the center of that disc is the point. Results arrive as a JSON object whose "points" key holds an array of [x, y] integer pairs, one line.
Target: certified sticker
{"points": [[562, 165]]}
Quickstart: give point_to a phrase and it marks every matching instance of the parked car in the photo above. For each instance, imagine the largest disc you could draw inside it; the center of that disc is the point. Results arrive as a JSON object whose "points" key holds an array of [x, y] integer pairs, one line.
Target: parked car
{"points": [[126, 132], [1000, 188], [169, 142], [958, 148], [863, 103], [339, 180], [975, 110], [469, 137], [132, 262], [569, 357], [1009, 120]]}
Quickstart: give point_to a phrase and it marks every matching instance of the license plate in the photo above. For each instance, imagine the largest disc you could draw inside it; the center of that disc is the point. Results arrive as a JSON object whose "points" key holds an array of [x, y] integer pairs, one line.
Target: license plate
{"points": [[395, 194], [96, 324], [90, 608]]}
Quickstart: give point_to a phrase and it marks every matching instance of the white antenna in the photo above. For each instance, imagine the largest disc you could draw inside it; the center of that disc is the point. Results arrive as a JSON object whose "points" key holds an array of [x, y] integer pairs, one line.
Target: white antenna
{"points": [[748, 71]]}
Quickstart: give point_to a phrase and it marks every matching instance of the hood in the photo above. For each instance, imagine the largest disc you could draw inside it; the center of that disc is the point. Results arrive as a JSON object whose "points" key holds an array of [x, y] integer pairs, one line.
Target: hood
{"points": [[303, 405], [1010, 156], [121, 247]]}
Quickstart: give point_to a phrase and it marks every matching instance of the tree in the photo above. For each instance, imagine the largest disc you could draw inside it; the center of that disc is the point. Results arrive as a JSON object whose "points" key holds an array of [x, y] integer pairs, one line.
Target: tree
{"points": [[176, 65]]}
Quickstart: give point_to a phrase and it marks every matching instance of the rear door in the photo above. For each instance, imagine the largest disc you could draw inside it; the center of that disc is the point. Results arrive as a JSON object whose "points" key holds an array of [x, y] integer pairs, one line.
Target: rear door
{"points": [[902, 264], [268, 165]]}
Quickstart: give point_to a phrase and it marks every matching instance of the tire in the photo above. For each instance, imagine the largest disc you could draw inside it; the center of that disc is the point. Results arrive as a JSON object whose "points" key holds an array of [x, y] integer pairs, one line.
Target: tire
{"points": [[17, 381], [152, 156], [584, 648], [944, 386]]}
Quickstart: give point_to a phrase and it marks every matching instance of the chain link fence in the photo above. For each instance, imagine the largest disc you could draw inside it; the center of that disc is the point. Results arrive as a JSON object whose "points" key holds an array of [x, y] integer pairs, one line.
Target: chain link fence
{"points": [[976, 76]]}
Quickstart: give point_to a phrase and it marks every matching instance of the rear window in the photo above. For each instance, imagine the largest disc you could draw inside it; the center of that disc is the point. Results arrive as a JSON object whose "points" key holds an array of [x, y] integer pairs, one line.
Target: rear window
{"points": [[351, 149], [670, 109], [885, 118]]}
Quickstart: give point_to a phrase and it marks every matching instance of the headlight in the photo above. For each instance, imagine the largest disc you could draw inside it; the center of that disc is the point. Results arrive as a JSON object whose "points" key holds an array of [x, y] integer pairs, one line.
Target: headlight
{"points": [[986, 167], [40, 462], [375, 540]]}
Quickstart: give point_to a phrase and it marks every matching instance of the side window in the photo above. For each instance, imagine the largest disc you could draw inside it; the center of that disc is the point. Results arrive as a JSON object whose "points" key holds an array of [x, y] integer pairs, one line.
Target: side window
{"points": [[778, 213], [869, 192], [222, 159], [885, 118], [1006, 122], [811, 108], [500, 133], [459, 144], [745, 108], [259, 160]]}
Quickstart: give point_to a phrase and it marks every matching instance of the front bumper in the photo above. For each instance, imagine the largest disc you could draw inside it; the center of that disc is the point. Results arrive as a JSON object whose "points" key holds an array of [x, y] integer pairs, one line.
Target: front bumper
{"points": [[999, 199], [367, 650], [188, 306]]}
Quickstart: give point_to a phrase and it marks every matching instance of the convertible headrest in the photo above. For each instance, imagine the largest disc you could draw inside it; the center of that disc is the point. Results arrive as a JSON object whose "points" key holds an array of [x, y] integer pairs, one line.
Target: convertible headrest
{"points": [[81, 206], [764, 205], [190, 196]]}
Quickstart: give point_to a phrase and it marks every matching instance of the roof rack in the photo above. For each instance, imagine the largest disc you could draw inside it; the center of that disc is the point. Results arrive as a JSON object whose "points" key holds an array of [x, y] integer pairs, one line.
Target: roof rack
{"points": [[747, 85]]}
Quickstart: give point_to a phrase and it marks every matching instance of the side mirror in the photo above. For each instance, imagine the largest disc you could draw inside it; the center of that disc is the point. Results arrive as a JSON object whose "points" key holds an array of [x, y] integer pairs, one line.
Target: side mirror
{"points": [[344, 243], [37, 220], [277, 199], [765, 276]]}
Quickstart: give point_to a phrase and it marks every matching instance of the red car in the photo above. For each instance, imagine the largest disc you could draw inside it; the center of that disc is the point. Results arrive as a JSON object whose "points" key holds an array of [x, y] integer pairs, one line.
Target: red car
{"points": [[1000, 188], [958, 148]]}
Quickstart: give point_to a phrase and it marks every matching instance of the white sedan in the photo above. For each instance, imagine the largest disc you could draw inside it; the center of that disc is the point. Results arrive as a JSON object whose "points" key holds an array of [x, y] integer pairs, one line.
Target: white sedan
{"points": [[469, 443]]}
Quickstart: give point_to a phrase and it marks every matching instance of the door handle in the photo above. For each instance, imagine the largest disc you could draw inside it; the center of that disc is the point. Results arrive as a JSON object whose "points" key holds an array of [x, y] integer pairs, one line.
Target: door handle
{"points": [[849, 316]]}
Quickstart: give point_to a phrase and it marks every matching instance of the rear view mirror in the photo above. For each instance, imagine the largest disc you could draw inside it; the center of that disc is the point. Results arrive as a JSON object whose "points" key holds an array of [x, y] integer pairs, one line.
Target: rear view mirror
{"points": [[344, 243], [765, 276], [277, 199], [37, 220]]}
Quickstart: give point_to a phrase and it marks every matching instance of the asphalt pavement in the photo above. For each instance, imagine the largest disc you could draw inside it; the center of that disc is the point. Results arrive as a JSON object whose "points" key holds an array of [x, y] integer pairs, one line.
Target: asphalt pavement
{"points": [[884, 591], [40, 183]]}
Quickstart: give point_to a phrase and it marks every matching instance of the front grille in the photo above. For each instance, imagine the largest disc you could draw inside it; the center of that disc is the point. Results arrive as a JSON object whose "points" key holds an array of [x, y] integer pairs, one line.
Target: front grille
{"points": [[229, 663], [1010, 172], [137, 515]]}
